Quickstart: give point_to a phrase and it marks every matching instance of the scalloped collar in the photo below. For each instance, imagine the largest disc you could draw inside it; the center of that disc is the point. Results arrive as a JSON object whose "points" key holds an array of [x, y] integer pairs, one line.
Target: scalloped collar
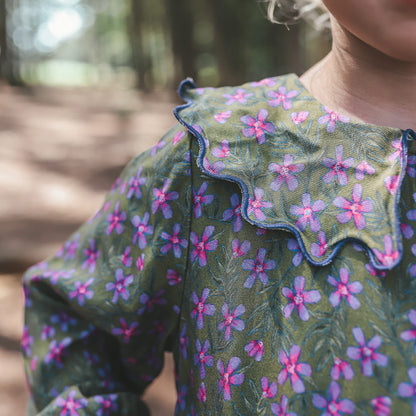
{"points": [[302, 167]]}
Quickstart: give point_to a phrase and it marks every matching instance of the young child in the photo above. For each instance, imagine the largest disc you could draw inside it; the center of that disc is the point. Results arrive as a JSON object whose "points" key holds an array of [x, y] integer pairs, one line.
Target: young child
{"points": [[267, 240]]}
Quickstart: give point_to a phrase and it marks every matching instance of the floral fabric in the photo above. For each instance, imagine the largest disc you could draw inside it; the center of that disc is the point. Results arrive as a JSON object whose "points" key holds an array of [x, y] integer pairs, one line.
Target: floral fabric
{"points": [[267, 241]]}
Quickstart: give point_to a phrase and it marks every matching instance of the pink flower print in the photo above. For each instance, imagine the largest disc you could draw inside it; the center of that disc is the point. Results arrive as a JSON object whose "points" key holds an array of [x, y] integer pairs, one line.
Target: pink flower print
{"points": [[203, 245], [354, 208], [268, 82], [82, 291], [230, 320], [298, 297], [174, 241], [126, 259], [228, 376], [285, 173], [411, 169], [140, 262], [202, 393], [331, 118], [120, 285], [396, 144], [183, 342], [71, 247], [344, 289], [234, 213], [57, 351], [27, 341], [258, 126], [331, 405], [115, 220], [392, 183], [178, 137], [299, 118], [222, 117], [411, 214], [214, 168], [161, 199], [47, 332], [293, 369], [127, 331], [201, 358], [107, 404], [307, 212], [223, 151], [199, 199], [293, 245], [410, 334], [269, 390], [173, 277], [337, 166], [135, 182], [366, 352], [201, 308], [70, 406], [375, 272], [91, 256], [389, 257], [238, 249], [239, 96], [281, 96], [255, 349], [156, 147], [409, 389], [55, 275], [181, 397], [407, 231], [321, 247], [381, 405], [141, 230], [258, 267], [363, 168], [341, 367], [281, 410], [256, 205]]}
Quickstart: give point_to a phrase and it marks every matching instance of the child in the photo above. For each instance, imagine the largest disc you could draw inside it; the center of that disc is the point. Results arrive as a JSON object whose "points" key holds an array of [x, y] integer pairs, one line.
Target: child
{"points": [[267, 240]]}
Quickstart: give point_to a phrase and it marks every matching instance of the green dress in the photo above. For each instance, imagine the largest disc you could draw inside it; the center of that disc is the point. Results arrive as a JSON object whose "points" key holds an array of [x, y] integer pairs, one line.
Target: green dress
{"points": [[266, 241]]}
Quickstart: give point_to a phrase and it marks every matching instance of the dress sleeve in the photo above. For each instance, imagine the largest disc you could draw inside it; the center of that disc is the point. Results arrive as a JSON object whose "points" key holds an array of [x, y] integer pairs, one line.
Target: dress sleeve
{"points": [[102, 311]]}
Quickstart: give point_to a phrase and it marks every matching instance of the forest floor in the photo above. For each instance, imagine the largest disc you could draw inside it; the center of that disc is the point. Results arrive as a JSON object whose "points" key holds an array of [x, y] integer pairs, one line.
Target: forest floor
{"points": [[60, 151]]}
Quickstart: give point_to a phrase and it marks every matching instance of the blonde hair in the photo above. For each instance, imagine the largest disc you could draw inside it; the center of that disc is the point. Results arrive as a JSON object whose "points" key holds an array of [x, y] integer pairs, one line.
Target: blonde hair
{"points": [[289, 11]]}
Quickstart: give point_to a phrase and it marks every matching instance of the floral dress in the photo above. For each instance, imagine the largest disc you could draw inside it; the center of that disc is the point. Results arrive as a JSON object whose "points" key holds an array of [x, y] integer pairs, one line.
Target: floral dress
{"points": [[267, 241]]}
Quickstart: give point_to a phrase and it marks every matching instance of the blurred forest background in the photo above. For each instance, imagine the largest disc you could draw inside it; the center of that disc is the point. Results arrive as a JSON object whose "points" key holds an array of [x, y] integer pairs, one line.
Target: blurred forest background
{"points": [[85, 85]]}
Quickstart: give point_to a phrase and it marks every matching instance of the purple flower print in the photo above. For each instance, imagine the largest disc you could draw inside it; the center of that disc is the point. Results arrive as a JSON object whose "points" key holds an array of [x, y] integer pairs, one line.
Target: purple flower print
{"points": [[174, 241], [411, 214], [258, 268], [222, 117], [27, 341], [178, 137], [238, 249], [331, 118], [293, 369], [269, 390], [375, 272], [230, 320], [57, 351], [381, 405], [341, 367], [127, 331], [366, 352], [140, 262], [125, 258], [120, 285], [321, 247], [258, 126], [55, 275], [281, 96], [141, 229], [201, 358], [63, 320], [410, 169], [173, 277], [115, 220], [307, 212], [202, 393], [156, 147], [239, 96], [47, 332], [149, 302], [281, 410], [396, 144], [71, 247], [135, 182], [161, 199], [223, 151], [70, 406], [198, 198], [299, 118], [228, 376], [255, 349], [203, 245], [353, 209], [392, 183], [363, 168], [285, 173], [234, 213], [410, 334], [407, 231], [389, 257], [344, 289], [268, 82], [82, 291], [293, 245], [215, 168], [201, 308], [183, 342], [107, 404], [337, 166], [409, 389], [298, 297], [181, 397], [331, 405], [256, 205]]}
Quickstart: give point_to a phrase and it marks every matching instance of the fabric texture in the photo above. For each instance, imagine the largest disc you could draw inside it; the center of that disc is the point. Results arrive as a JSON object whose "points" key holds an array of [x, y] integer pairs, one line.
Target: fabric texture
{"points": [[267, 241]]}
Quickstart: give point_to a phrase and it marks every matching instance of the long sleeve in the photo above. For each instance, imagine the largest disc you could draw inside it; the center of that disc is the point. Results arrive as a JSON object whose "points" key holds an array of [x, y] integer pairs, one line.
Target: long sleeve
{"points": [[101, 312]]}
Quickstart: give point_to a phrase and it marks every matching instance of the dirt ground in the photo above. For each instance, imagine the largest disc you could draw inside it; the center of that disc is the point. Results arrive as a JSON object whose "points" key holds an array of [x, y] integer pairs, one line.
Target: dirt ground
{"points": [[60, 151]]}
